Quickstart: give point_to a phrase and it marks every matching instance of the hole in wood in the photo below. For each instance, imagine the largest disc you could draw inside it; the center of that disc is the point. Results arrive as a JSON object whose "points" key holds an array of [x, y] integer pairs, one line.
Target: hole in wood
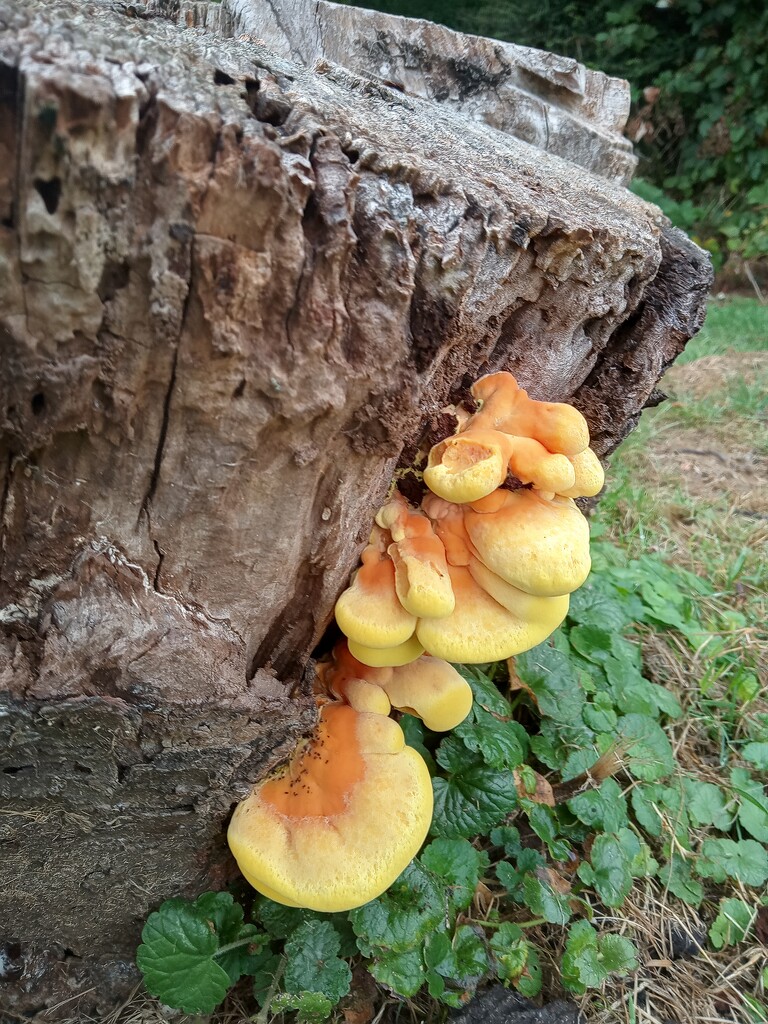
{"points": [[49, 192]]}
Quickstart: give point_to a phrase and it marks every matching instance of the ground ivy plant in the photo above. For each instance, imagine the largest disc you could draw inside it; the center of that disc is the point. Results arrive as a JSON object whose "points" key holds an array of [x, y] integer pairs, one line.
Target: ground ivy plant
{"points": [[559, 791]]}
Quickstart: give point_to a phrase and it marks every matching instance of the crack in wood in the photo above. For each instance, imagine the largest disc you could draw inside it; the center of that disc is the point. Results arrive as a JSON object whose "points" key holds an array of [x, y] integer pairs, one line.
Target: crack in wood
{"points": [[4, 503]]}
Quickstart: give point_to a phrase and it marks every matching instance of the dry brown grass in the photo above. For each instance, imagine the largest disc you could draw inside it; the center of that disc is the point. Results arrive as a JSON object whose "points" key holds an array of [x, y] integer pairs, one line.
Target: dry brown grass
{"points": [[709, 987]]}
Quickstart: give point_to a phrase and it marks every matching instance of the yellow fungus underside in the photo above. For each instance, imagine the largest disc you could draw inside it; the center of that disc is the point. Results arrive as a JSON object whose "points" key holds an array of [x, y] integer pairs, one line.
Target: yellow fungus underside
{"points": [[384, 657]]}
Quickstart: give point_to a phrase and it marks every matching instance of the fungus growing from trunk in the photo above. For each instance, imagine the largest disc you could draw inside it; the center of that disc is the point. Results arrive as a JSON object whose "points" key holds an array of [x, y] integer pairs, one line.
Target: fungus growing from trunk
{"points": [[369, 611], [335, 827], [478, 573], [428, 688], [537, 544]]}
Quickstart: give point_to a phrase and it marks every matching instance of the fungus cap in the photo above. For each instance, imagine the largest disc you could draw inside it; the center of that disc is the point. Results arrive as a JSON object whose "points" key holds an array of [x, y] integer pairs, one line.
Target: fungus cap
{"points": [[506, 406], [448, 521], [369, 611], [589, 476], [433, 691], [341, 822], [362, 695], [479, 630], [542, 615], [421, 574], [540, 546], [468, 465], [533, 464]]}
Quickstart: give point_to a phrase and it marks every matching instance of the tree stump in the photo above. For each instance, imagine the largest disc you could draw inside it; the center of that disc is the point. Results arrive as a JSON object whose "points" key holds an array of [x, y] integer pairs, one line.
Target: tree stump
{"points": [[235, 291]]}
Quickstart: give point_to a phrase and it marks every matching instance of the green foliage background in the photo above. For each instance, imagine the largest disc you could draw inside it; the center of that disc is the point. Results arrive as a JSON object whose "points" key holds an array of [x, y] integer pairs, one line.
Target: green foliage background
{"points": [[704, 154]]}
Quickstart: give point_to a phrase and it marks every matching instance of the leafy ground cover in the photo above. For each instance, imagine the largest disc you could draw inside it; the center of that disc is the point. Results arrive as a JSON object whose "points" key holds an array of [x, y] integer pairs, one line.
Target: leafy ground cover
{"points": [[601, 819]]}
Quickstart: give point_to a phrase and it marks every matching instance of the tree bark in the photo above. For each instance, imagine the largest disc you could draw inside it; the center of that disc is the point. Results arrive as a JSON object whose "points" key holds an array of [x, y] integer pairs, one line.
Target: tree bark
{"points": [[233, 292]]}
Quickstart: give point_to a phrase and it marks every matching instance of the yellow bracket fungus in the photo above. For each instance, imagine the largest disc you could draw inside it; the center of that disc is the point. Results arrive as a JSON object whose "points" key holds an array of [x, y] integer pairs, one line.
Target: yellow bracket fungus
{"points": [[479, 573], [341, 821]]}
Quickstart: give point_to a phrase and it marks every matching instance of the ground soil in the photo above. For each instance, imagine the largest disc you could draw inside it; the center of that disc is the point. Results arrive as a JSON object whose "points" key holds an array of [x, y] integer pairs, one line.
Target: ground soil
{"points": [[708, 465]]}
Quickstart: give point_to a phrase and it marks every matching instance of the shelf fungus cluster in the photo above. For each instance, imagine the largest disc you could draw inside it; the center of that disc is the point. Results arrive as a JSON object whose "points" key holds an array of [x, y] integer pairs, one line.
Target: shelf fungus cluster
{"points": [[481, 571]]}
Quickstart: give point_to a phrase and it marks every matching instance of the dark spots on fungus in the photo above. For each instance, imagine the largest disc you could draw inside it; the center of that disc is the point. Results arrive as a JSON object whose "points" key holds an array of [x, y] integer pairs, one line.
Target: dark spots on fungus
{"points": [[239, 390], [38, 403]]}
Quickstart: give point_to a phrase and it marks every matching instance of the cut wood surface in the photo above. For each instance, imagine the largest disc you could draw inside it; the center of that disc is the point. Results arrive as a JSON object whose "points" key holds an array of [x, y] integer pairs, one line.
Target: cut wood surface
{"points": [[234, 289]]}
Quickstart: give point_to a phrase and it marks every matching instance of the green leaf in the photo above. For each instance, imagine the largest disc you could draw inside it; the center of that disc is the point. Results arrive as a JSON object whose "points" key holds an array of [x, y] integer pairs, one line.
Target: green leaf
{"points": [[604, 808], [484, 690], [278, 920], [581, 968], [402, 972], [508, 838], [548, 674], [544, 902], [459, 866], [176, 959], [310, 1007], [462, 961], [529, 982], [642, 863], [412, 906], [510, 951], [745, 860], [732, 924], [753, 804], [619, 954], [313, 964], [589, 958], [646, 802], [470, 958], [757, 1012], [226, 918], [610, 870], [414, 731], [676, 876], [600, 716], [756, 753], [632, 693], [592, 606], [666, 702], [592, 642], [542, 820], [708, 805], [495, 739], [474, 798], [438, 953], [512, 876], [648, 751]]}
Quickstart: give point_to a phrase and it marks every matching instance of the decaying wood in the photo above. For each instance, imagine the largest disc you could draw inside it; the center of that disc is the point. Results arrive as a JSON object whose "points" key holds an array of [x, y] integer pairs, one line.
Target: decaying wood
{"points": [[549, 101], [233, 289]]}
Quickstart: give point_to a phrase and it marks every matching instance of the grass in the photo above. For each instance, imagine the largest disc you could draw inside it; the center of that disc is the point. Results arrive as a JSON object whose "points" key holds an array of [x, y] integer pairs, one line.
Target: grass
{"points": [[732, 325], [692, 481], [691, 484]]}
